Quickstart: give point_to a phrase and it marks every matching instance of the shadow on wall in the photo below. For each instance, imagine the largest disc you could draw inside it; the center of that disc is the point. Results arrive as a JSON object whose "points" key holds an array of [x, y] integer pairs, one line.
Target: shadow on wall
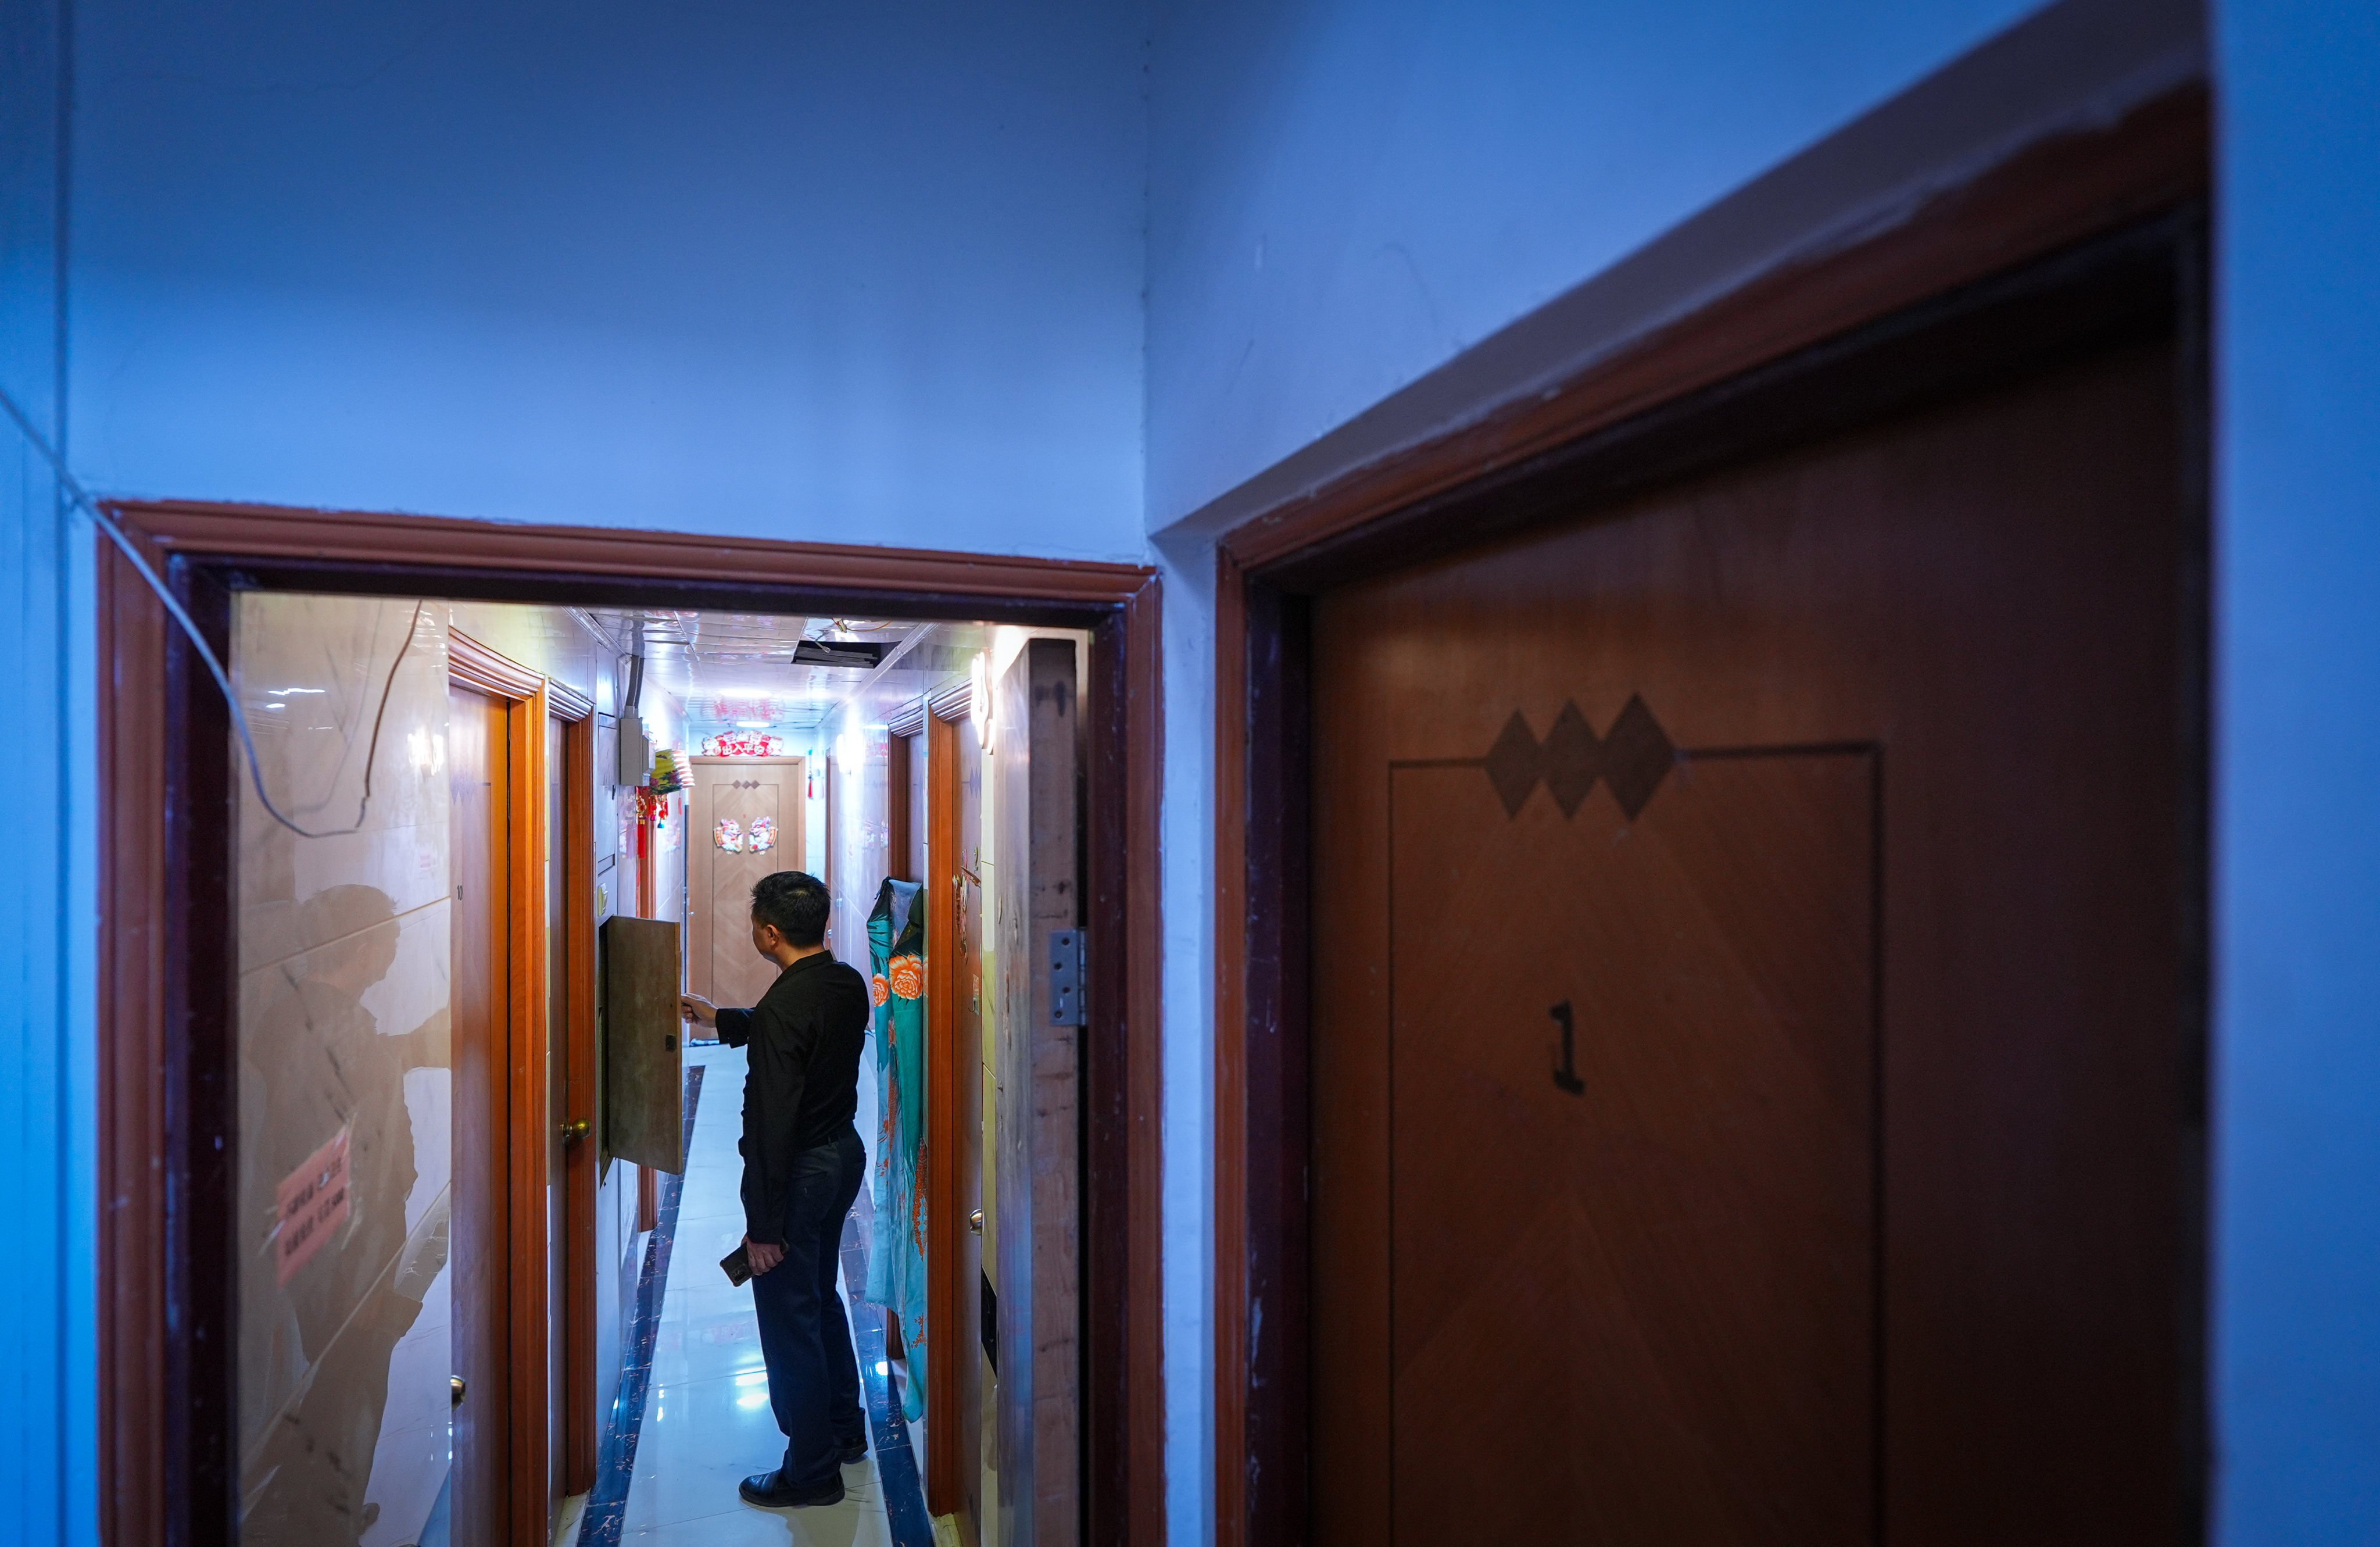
{"points": [[345, 1098], [341, 1308]]}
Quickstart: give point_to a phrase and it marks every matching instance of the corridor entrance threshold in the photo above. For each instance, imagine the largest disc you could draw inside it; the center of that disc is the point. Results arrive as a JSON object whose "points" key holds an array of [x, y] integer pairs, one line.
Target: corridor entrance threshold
{"points": [[692, 1419]]}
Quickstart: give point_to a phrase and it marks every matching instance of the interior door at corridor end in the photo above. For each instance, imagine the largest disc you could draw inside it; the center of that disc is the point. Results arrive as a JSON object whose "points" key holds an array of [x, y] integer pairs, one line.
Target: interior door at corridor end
{"points": [[1749, 1029], [746, 822]]}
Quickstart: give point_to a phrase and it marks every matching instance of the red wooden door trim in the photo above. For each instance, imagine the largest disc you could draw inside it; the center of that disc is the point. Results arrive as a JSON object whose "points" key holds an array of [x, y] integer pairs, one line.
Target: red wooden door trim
{"points": [[899, 821], [143, 1454], [942, 1218]]}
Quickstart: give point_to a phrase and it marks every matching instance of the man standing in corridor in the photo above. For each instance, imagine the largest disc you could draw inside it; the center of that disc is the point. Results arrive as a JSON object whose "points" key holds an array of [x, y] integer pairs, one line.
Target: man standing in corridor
{"points": [[802, 1168]]}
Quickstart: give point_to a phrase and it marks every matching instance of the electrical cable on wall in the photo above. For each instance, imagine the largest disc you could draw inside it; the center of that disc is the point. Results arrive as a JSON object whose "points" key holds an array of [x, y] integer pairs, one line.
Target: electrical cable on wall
{"points": [[78, 499]]}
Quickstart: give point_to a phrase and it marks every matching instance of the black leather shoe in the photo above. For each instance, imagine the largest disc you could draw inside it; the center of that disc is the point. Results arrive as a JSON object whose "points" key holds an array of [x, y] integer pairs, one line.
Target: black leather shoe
{"points": [[855, 1451], [770, 1491]]}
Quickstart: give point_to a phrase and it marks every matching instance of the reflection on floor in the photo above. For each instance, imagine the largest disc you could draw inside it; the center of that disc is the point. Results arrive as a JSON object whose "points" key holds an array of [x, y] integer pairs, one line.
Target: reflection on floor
{"points": [[707, 1423]]}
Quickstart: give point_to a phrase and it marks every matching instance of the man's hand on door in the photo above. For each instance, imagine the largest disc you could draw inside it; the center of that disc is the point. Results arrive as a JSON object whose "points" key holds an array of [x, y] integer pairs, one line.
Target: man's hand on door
{"points": [[696, 1008]]}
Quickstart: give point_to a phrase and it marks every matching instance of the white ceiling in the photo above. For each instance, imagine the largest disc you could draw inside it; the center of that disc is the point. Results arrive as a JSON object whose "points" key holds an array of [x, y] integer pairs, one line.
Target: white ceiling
{"points": [[727, 667]]}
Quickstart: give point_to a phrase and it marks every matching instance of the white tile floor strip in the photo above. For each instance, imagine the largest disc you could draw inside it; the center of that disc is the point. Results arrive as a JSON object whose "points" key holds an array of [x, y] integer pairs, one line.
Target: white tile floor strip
{"points": [[707, 1421]]}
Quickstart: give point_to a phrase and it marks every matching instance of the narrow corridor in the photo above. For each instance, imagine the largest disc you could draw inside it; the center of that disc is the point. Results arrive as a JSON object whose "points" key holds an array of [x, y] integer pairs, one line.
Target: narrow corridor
{"points": [[706, 1423]]}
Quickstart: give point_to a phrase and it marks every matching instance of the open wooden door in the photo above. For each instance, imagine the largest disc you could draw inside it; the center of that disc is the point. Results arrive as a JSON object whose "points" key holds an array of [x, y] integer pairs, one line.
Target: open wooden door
{"points": [[507, 1476], [557, 1133], [483, 960], [1037, 916], [571, 1082]]}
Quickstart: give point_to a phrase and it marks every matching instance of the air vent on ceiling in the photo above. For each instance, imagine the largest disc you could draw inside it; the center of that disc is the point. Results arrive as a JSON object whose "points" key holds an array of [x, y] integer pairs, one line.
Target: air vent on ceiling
{"points": [[838, 652]]}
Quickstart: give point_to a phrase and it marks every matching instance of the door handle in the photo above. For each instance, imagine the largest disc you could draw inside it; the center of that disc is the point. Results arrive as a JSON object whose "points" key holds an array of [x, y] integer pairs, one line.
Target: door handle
{"points": [[572, 1132], [974, 1222], [454, 1391]]}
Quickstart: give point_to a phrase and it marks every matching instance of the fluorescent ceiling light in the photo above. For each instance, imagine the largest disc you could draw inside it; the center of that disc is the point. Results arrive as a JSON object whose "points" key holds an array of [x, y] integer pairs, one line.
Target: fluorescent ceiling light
{"points": [[752, 725]]}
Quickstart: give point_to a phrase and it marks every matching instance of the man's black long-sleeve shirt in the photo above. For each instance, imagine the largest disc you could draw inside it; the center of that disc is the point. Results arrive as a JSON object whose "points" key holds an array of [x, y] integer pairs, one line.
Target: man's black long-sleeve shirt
{"points": [[801, 1080]]}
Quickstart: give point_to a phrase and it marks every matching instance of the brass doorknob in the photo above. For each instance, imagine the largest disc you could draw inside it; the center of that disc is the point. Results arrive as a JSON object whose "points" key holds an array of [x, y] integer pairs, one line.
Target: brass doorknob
{"points": [[974, 1222], [572, 1132], [454, 1391]]}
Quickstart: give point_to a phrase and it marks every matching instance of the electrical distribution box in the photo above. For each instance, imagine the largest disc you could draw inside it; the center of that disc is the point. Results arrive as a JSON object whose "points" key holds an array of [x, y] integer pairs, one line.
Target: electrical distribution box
{"points": [[635, 751], [644, 1056]]}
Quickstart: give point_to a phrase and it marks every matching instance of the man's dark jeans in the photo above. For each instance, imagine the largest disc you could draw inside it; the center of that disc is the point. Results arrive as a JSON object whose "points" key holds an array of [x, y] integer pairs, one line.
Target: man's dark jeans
{"points": [[805, 1337]]}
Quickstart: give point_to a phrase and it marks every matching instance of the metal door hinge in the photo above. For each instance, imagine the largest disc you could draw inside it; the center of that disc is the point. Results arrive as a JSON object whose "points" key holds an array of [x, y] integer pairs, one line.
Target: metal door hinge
{"points": [[1066, 996]]}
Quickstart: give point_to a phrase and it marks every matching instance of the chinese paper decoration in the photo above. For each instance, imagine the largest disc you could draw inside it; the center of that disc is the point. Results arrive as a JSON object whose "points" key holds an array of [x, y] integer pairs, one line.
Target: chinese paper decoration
{"points": [[764, 835], [670, 771], [743, 744], [896, 1258], [652, 806], [729, 835]]}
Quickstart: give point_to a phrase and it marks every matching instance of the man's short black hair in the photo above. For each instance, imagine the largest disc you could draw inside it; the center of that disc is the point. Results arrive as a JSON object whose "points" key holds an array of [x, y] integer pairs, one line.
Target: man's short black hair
{"points": [[794, 904]]}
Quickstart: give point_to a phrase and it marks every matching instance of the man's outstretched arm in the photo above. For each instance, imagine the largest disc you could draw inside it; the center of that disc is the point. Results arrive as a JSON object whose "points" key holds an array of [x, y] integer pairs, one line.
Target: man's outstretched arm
{"points": [[735, 1027]]}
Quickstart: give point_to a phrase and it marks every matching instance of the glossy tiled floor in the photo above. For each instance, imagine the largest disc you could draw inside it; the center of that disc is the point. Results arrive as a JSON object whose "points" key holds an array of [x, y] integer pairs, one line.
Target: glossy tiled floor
{"points": [[707, 1423]]}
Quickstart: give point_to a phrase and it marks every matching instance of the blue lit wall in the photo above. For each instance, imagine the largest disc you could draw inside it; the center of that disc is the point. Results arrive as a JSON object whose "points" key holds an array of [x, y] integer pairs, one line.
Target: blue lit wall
{"points": [[863, 273], [2297, 1290], [840, 271], [47, 1397], [1344, 196], [878, 273]]}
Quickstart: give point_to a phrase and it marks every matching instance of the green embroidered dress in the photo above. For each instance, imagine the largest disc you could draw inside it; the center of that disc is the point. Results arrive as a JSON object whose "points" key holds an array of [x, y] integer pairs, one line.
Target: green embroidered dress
{"points": [[896, 1256]]}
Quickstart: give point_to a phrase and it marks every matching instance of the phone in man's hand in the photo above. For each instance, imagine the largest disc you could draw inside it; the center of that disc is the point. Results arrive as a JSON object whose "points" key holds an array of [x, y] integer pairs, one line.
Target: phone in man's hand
{"points": [[737, 1265]]}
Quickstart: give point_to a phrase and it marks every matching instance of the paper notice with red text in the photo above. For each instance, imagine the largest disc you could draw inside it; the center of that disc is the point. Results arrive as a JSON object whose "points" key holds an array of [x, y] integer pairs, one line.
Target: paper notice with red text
{"points": [[314, 1204]]}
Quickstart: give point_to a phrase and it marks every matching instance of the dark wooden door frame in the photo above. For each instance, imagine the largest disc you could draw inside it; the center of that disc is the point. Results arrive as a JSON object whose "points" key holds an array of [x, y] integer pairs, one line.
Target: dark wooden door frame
{"points": [[168, 1131], [2080, 240]]}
